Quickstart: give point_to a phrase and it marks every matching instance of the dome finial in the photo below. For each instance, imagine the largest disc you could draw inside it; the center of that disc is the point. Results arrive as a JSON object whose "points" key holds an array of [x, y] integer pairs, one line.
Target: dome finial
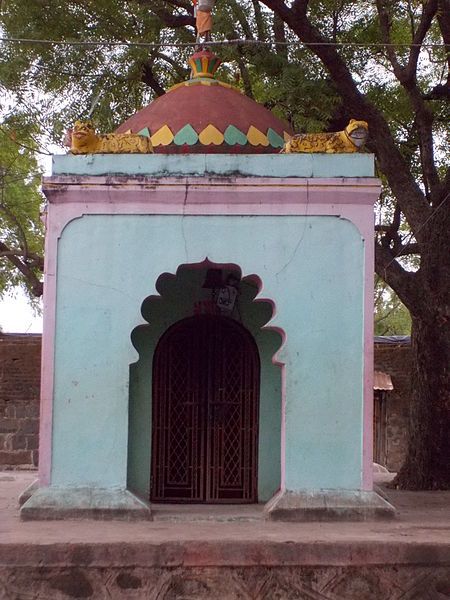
{"points": [[204, 63]]}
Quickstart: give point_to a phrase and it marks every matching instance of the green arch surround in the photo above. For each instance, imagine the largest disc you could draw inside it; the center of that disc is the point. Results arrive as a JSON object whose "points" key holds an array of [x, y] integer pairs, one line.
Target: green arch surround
{"points": [[178, 295]]}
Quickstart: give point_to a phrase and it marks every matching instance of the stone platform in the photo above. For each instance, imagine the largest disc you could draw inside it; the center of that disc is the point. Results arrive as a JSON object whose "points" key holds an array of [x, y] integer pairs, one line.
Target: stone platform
{"points": [[226, 553]]}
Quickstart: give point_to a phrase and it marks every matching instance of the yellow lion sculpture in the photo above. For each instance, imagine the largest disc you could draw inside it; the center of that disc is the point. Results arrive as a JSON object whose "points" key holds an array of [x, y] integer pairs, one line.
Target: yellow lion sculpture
{"points": [[352, 139], [84, 140]]}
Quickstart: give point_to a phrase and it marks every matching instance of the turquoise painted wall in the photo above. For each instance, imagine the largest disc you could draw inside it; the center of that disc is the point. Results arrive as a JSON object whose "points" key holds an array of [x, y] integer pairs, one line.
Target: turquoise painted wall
{"points": [[177, 302], [311, 267], [230, 165]]}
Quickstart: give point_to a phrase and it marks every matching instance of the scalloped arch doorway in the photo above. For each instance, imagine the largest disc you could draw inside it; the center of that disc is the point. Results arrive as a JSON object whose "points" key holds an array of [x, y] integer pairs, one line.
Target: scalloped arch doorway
{"points": [[205, 394]]}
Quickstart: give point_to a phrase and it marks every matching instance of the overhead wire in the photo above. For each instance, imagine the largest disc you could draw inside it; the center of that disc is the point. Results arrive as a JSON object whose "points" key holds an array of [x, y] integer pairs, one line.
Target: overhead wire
{"points": [[236, 42]]}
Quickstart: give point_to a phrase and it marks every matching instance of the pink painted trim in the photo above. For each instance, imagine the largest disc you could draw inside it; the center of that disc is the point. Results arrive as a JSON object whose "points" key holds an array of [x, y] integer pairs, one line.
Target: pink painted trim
{"points": [[367, 450], [213, 197], [55, 223], [218, 181], [47, 365]]}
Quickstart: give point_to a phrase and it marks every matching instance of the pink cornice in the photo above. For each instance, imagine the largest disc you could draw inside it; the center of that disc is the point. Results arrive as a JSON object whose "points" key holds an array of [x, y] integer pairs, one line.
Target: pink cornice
{"points": [[211, 192], [350, 198]]}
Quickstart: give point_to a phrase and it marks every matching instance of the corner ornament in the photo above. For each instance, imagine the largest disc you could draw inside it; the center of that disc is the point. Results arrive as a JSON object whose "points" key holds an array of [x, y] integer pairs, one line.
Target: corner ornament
{"points": [[350, 140], [83, 139]]}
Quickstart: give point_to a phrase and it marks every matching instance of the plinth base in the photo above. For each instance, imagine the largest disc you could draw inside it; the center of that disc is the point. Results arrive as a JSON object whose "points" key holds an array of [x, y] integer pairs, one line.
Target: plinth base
{"points": [[54, 503], [28, 492], [408, 559], [323, 505]]}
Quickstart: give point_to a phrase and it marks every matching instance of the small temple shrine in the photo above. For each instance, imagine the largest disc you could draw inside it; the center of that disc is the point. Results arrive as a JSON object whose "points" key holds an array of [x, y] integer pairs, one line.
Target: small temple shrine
{"points": [[208, 318]]}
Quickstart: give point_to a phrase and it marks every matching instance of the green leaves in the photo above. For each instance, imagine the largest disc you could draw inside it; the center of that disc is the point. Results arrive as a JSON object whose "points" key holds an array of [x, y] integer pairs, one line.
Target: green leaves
{"points": [[21, 230], [391, 316], [48, 86]]}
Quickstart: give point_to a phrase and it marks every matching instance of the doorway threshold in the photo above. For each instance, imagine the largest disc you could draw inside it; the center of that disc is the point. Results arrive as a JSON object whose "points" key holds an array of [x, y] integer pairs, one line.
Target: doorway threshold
{"points": [[219, 513]]}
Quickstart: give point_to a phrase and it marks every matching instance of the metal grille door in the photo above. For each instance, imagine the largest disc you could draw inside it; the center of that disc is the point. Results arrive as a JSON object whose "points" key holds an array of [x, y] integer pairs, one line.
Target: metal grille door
{"points": [[205, 413]]}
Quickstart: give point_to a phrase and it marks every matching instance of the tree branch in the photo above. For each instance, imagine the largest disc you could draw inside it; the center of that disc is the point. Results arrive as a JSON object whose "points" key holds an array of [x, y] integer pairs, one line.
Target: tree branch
{"points": [[300, 6], [407, 78], [443, 17], [400, 280], [184, 4], [242, 63], [259, 19], [385, 27], [391, 237], [396, 221], [387, 314], [424, 115], [279, 34], [440, 91], [32, 260], [410, 197], [444, 187], [149, 78], [174, 21], [181, 71], [246, 79], [429, 12], [167, 17], [409, 250], [37, 287], [411, 19], [12, 217], [241, 17]]}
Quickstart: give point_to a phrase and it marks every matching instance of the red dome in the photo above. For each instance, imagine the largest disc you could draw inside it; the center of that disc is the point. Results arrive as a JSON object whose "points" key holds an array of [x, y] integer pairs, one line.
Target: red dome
{"points": [[204, 115]]}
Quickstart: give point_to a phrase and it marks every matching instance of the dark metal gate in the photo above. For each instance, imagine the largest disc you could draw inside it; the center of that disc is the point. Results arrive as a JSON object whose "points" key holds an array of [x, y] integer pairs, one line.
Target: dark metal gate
{"points": [[205, 413]]}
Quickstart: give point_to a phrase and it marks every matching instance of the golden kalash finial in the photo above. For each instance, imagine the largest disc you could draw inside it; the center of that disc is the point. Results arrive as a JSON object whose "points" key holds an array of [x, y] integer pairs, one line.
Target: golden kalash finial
{"points": [[204, 21]]}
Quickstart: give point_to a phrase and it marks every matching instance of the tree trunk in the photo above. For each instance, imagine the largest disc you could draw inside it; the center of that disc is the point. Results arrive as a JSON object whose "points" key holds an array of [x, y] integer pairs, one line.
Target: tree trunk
{"points": [[427, 464]]}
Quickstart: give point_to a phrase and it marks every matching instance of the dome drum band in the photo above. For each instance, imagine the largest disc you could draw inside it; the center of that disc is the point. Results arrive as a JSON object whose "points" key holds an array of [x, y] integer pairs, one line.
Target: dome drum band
{"points": [[210, 135]]}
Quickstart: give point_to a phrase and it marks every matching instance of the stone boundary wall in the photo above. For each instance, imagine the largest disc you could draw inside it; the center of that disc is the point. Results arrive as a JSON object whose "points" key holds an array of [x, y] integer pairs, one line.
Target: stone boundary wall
{"points": [[20, 374], [263, 582], [396, 360]]}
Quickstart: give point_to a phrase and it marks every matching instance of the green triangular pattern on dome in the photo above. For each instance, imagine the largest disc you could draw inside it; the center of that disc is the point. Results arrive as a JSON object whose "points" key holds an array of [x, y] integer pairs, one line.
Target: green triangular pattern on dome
{"points": [[274, 138], [186, 135], [145, 132], [234, 136]]}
